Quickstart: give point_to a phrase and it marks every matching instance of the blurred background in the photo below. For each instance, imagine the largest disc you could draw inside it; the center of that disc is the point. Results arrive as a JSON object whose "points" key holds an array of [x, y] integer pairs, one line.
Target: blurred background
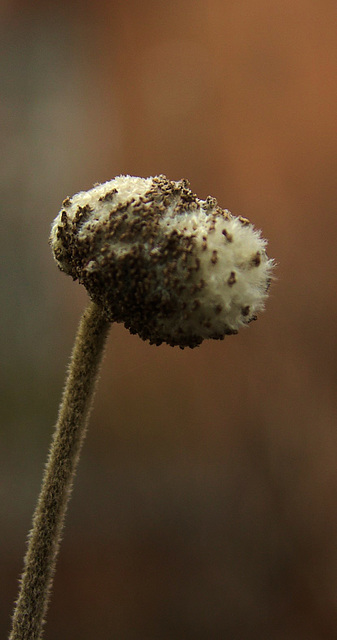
{"points": [[206, 500]]}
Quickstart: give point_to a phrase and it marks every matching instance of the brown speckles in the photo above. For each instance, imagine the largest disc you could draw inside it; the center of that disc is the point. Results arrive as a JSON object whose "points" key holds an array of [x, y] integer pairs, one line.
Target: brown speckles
{"points": [[245, 310], [227, 235], [124, 237], [108, 196], [212, 225], [60, 232], [214, 257], [66, 202], [244, 221], [224, 213], [184, 184], [81, 216], [218, 309], [58, 253], [256, 259], [232, 279], [231, 332], [210, 203]]}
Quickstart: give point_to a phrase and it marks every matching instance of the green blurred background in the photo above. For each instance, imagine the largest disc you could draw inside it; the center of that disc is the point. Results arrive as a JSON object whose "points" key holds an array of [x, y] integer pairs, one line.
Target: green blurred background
{"points": [[206, 500]]}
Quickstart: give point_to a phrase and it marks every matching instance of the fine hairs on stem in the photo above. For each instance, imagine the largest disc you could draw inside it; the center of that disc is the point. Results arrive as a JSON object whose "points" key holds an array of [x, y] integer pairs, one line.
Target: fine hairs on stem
{"points": [[48, 520], [174, 269]]}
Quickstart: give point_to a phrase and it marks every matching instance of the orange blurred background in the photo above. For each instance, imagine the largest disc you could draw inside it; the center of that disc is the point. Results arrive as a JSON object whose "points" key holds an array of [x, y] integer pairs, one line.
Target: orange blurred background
{"points": [[206, 500]]}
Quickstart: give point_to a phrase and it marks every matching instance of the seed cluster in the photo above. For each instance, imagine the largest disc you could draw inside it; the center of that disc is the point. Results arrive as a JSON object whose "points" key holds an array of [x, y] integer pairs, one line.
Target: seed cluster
{"points": [[171, 267]]}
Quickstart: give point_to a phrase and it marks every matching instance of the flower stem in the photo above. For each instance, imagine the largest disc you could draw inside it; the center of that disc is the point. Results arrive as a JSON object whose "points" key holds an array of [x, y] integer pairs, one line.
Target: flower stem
{"points": [[44, 537]]}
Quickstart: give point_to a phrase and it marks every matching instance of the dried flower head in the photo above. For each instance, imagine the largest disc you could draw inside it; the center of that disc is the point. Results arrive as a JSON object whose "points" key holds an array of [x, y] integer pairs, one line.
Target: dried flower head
{"points": [[171, 267]]}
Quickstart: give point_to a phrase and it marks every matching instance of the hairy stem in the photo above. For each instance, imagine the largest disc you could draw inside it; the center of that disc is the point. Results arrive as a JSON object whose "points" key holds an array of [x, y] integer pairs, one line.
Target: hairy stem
{"points": [[44, 537]]}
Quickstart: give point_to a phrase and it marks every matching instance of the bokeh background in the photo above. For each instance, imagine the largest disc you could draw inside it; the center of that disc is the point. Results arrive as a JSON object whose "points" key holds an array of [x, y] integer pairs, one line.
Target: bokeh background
{"points": [[206, 500]]}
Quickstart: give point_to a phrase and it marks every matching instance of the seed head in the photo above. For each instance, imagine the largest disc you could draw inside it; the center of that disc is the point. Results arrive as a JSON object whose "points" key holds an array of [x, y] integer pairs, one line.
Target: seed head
{"points": [[171, 267]]}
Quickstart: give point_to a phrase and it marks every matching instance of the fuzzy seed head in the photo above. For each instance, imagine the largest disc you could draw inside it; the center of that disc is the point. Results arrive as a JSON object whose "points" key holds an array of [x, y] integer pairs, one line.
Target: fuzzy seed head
{"points": [[171, 267]]}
